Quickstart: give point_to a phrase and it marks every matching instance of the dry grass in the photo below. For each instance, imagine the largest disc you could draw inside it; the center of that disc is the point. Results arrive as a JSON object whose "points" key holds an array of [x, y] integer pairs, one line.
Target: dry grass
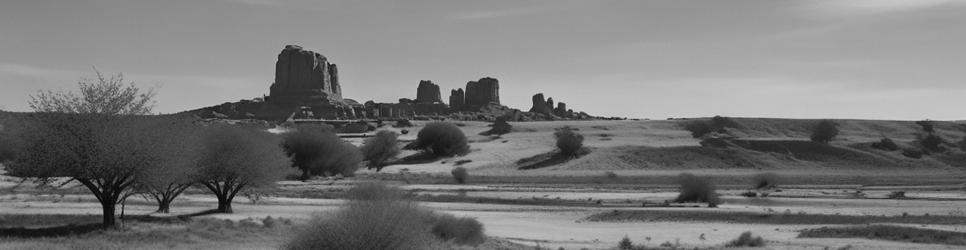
{"points": [[203, 233], [887, 232], [767, 218]]}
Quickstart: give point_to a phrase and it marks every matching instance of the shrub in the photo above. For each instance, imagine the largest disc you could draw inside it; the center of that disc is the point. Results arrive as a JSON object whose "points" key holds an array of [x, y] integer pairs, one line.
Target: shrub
{"points": [[317, 152], [568, 141], [442, 139], [611, 175], [765, 180], [933, 142], [825, 131], [886, 144], [380, 217], [372, 224], [912, 153], [696, 189], [461, 231], [379, 149], [721, 123], [403, 124], [625, 243], [927, 126], [460, 174], [896, 195], [499, 127], [747, 240], [698, 128]]}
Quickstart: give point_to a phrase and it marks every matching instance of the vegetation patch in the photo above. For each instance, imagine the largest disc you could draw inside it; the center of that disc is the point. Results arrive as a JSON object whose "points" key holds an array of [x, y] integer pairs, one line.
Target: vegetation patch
{"points": [[888, 232], [787, 218]]}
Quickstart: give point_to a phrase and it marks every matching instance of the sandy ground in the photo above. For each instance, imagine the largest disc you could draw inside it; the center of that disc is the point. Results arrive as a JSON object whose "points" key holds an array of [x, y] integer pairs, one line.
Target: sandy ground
{"points": [[551, 226]]}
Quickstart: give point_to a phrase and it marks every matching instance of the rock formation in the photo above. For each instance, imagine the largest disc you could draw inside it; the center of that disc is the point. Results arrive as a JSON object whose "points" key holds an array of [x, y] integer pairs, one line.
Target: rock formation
{"points": [[305, 78], [428, 92], [550, 103], [457, 99], [561, 110], [540, 105], [481, 93]]}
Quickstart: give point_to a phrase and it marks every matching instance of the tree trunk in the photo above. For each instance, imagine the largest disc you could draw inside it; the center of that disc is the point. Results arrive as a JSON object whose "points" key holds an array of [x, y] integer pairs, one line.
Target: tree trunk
{"points": [[164, 206], [224, 204], [109, 220]]}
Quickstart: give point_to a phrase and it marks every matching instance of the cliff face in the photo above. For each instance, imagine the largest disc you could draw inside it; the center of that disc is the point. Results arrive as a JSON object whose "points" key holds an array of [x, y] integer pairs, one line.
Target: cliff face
{"points": [[306, 78], [481, 93], [428, 92], [457, 99]]}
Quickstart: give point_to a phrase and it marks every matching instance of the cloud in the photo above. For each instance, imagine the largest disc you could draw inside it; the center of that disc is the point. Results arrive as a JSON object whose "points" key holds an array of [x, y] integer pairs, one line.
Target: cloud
{"points": [[866, 7], [489, 14], [257, 2]]}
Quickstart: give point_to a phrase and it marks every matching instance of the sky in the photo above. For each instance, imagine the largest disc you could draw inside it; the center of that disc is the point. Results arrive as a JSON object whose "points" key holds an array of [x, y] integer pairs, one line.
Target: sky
{"points": [[864, 59]]}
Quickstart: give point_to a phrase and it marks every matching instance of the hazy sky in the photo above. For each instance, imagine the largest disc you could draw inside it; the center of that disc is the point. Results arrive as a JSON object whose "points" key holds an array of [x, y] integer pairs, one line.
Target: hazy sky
{"points": [[878, 59]]}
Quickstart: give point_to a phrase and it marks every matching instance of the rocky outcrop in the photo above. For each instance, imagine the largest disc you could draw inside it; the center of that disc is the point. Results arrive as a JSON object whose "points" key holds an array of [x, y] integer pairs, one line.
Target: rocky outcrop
{"points": [[304, 77], [540, 105], [481, 93], [428, 92], [457, 99], [561, 110]]}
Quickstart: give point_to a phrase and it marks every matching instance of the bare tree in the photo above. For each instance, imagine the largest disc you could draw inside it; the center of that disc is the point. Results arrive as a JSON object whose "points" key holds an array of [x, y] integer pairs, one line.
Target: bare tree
{"points": [[99, 95], [104, 153], [235, 158]]}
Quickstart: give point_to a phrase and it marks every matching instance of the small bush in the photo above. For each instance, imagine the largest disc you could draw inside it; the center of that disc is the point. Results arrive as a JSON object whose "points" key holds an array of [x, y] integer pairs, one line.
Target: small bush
{"points": [[765, 181], [380, 148], [320, 153], [886, 144], [611, 175], [625, 243], [721, 123], [897, 195], [403, 124], [933, 142], [747, 240], [698, 128], [568, 141], [750, 194], [499, 127], [461, 231], [825, 131], [379, 217], [927, 126], [442, 139], [696, 189], [913, 153], [460, 175]]}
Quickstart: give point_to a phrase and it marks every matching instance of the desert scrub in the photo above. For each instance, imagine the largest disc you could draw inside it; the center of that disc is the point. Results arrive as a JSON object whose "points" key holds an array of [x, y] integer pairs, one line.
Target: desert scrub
{"points": [[765, 181], [696, 189], [461, 231], [569, 142], [825, 131], [381, 217], [889, 232], [442, 139], [499, 127], [380, 148], [886, 144], [460, 175], [747, 240]]}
